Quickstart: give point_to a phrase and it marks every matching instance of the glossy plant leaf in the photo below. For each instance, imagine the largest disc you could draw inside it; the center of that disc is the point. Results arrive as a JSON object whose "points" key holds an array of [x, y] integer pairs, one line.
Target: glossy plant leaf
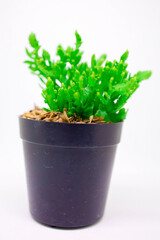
{"points": [[101, 89]]}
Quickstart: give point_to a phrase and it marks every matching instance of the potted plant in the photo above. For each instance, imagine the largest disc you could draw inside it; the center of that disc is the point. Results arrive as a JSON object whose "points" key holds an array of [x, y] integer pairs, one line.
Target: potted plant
{"points": [[70, 145]]}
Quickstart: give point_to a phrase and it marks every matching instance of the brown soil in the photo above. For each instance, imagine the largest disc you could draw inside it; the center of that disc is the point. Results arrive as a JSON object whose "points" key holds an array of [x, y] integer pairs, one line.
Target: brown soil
{"points": [[42, 115]]}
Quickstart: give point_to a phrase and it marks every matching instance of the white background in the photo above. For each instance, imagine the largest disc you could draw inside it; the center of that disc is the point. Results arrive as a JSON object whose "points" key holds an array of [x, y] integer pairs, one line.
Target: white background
{"points": [[133, 206]]}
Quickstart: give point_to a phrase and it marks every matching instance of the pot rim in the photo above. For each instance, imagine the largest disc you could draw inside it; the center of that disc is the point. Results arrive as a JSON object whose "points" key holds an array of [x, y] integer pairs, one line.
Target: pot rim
{"points": [[70, 135], [70, 123]]}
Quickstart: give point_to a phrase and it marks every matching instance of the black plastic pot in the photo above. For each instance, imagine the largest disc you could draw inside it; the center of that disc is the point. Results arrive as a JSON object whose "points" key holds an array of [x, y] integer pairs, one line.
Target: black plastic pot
{"points": [[68, 169]]}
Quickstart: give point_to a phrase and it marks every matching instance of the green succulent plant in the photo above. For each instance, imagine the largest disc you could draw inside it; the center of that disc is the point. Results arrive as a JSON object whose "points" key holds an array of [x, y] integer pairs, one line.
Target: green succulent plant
{"points": [[99, 89]]}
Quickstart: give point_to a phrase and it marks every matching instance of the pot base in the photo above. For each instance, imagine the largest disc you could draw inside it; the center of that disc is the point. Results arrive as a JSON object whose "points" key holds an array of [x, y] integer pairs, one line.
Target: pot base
{"points": [[61, 226]]}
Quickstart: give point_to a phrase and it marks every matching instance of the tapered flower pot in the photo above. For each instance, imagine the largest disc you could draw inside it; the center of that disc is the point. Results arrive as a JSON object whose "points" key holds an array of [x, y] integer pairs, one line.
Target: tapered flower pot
{"points": [[68, 168]]}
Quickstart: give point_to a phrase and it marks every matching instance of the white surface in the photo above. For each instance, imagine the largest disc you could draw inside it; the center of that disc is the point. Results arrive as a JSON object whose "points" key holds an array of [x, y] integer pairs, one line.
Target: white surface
{"points": [[133, 206]]}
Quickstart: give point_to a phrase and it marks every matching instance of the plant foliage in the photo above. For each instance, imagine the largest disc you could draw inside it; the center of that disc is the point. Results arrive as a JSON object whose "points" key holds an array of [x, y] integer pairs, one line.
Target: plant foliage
{"points": [[99, 89]]}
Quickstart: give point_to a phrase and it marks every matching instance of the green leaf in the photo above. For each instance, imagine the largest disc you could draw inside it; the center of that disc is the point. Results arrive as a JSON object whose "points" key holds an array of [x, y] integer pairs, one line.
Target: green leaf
{"points": [[119, 116], [143, 75], [124, 56], [29, 62], [78, 40], [103, 114], [101, 59], [46, 109], [46, 55], [33, 41], [29, 54], [93, 61]]}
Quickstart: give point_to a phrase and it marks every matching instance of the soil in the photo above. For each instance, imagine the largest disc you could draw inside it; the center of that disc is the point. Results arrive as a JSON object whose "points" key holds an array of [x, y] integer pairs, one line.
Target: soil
{"points": [[42, 115]]}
